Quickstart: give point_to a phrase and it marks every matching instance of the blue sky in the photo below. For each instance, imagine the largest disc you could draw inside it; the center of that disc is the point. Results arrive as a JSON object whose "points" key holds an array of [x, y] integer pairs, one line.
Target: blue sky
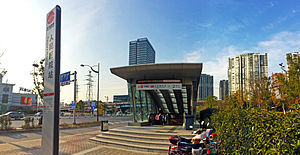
{"points": [[201, 31]]}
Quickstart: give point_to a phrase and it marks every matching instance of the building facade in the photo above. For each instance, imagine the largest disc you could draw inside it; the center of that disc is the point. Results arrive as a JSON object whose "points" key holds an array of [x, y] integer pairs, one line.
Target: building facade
{"points": [[206, 86], [291, 57], [223, 89], [10, 101], [141, 52], [120, 98], [244, 70]]}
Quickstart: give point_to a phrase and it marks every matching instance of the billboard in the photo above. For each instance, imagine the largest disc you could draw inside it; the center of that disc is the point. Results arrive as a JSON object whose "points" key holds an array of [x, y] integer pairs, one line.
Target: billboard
{"points": [[26, 100]]}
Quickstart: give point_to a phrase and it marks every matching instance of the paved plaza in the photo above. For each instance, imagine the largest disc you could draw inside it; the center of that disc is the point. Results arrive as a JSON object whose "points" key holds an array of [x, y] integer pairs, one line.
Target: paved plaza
{"points": [[78, 141], [71, 141]]}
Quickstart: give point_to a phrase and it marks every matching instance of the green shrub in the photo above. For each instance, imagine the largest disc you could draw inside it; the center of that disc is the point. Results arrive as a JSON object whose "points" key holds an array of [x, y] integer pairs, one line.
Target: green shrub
{"points": [[252, 131], [32, 122], [5, 123], [27, 121]]}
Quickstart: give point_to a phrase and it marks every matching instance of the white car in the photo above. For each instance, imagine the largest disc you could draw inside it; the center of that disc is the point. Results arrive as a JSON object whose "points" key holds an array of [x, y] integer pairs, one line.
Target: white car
{"points": [[38, 114]]}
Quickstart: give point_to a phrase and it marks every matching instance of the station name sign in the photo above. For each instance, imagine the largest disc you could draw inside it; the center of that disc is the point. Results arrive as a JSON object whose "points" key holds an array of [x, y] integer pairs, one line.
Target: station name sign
{"points": [[50, 130], [159, 86], [158, 81]]}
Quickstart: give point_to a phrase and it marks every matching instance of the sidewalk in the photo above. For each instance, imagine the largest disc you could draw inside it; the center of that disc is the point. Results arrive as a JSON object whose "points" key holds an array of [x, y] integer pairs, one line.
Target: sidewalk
{"points": [[80, 143], [68, 144]]}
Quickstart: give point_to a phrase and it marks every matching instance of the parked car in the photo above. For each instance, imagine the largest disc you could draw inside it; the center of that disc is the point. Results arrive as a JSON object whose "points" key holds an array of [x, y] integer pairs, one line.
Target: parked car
{"points": [[13, 114], [22, 114], [38, 114], [119, 113]]}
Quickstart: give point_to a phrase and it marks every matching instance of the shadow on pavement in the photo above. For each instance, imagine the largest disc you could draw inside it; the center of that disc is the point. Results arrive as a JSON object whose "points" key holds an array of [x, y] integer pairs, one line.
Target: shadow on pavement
{"points": [[16, 135]]}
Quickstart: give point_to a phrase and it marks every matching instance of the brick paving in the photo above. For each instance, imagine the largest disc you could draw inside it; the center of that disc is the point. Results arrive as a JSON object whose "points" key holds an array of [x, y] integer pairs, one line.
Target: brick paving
{"points": [[78, 144], [106, 150], [69, 144]]}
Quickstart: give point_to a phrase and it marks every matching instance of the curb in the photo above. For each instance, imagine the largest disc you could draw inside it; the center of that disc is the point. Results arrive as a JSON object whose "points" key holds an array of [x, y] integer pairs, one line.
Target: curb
{"points": [[40, 129]]}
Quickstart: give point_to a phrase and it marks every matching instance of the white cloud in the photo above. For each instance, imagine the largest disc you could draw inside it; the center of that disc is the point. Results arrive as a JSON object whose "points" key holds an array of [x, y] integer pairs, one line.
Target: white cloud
{"points": [[205, 25], [194, 56], [277, 46]]}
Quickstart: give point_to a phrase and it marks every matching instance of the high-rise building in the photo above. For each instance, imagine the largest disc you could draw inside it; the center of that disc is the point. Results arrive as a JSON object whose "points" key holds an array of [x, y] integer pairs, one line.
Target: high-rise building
{"points": [[293, 56], [206, 88], [223, 89], [141, 52], [244, 70]]}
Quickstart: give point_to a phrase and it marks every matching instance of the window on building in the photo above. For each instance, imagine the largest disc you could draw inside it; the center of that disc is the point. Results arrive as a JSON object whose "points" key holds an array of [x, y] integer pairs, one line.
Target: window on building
{"points": [[5, 98]]}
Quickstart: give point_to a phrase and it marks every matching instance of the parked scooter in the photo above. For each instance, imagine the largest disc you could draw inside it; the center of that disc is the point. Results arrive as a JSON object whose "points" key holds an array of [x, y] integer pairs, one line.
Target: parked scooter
{"points": [[205, 139], [181, 146], [201, 143]]}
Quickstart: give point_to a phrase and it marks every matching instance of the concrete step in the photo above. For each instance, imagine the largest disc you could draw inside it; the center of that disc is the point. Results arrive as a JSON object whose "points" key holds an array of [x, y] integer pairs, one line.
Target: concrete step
{"points": [[156, 129], [143, 147], [137, 137], [148, 133], [135, 141]]}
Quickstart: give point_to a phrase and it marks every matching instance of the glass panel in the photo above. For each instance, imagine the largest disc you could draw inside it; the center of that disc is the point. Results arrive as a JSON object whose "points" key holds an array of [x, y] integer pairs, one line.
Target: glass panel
{"points": [[175, 108], [173, 98], [163, 101]]}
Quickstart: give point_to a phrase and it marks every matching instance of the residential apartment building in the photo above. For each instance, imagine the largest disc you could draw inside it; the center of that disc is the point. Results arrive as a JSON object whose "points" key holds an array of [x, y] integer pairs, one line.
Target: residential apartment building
{"points": [[223, 89], [141, 52], [293, 56], [206, 86], [244, 70]]}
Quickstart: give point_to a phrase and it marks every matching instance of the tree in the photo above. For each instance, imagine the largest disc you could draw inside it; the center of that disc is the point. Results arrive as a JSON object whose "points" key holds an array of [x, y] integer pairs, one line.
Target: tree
{"points": [[38, 80], [291, 84], [3, 71], [211, 100], [80, 105]]}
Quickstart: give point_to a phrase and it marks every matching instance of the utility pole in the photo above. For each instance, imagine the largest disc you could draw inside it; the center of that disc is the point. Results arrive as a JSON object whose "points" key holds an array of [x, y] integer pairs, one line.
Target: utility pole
{"points": [[98, 86], [75, 95]]}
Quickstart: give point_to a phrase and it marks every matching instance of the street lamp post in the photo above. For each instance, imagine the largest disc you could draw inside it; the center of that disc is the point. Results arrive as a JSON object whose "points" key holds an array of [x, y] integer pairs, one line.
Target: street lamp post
{"points": [[98, 72]]}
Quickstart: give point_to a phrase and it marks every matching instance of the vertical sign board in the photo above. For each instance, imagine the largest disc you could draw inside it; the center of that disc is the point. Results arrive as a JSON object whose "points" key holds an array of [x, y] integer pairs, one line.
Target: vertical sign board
{"points": [[51, 83]]}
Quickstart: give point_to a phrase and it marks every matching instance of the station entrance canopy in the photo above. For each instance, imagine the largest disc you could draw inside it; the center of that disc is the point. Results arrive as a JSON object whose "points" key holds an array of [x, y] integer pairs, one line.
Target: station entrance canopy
{"points": [[172, 87]]}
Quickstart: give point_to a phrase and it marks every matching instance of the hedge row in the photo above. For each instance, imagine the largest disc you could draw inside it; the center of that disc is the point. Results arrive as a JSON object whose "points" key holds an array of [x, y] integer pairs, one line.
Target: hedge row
{"points": [[252, 131]]}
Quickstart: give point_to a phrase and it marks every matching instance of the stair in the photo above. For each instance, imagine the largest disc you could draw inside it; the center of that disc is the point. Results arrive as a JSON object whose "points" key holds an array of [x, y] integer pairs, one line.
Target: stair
{"points": [[148, 139]]}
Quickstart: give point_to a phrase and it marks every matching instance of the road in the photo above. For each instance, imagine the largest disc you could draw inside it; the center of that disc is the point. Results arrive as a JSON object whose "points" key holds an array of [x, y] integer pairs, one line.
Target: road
{"points": [[79, 119], [71, 140]]}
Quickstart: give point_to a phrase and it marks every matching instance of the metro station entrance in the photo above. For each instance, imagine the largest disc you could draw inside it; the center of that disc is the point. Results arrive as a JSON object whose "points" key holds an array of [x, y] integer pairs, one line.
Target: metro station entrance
{"points": [[168, 89], [163, 97]]}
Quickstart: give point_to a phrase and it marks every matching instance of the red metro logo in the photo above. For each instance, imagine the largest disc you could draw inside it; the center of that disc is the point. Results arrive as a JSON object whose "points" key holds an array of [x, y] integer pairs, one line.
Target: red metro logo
{"points": [[50, 17]]}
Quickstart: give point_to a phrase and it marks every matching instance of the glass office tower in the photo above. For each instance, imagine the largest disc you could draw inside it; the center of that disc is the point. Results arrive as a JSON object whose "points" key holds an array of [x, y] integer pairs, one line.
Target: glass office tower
{"points": [[206, 86], [141, 52]]}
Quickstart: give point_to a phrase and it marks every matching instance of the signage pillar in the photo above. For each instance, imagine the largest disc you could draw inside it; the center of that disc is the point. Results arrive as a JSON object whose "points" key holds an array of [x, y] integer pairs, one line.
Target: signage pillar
{"points": [[50, 129]]}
